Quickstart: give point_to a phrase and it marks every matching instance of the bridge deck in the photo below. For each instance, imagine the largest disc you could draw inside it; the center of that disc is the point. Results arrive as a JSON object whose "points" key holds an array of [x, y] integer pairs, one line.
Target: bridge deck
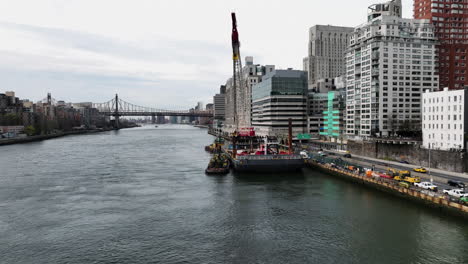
{"points": [[207, 114]]}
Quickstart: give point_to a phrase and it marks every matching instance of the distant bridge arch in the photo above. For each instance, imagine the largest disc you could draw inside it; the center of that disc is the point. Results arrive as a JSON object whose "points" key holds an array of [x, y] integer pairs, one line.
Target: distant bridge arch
{"points": [[117, 107]]}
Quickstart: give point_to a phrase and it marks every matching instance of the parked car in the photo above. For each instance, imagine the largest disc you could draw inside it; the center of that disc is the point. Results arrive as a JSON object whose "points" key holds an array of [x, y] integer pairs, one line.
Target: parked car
{"points": [[457, 184], [464, 200], [347, 155], [404, 161], [384, 175], [420, 169], [426, 186], [455, 192], [304, 154]]}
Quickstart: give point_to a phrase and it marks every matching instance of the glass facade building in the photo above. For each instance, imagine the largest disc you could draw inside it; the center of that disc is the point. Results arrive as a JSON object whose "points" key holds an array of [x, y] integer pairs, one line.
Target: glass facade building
{"points": [[282, 95]]}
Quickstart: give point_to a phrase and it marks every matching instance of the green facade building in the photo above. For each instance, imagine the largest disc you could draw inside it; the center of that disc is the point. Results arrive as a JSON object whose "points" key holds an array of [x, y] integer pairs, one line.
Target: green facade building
{"points": [[332, 117]]}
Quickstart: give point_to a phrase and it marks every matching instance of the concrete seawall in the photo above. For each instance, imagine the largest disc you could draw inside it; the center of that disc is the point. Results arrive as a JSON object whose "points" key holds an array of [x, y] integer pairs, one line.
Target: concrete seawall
{"points": [[414, 154], [432, 201], [44, 137]]}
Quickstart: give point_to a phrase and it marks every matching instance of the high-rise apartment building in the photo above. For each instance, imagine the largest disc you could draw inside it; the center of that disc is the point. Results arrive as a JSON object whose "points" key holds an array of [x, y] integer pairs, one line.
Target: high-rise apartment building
{"points": [[450, 19], [326, 51], [229, 124], [242, 106], [251, 75], [220, 103], [389, 62]]}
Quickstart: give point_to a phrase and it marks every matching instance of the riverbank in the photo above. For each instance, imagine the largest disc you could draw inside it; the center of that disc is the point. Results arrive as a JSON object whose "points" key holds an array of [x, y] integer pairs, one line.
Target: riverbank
{"points": [[426, 198], [21, 140]]}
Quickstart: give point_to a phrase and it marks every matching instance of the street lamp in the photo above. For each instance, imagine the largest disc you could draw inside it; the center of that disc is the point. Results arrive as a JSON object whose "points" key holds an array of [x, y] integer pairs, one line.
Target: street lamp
{"points": [[429, 167]]}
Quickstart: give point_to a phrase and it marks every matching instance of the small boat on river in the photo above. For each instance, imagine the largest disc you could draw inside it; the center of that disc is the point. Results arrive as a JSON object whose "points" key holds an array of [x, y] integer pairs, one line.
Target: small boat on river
{"points": [[219, 165]]}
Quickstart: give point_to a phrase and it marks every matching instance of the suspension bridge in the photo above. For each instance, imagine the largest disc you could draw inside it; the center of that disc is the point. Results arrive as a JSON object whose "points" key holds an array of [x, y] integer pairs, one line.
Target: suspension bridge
{"points": [[117, 107]]}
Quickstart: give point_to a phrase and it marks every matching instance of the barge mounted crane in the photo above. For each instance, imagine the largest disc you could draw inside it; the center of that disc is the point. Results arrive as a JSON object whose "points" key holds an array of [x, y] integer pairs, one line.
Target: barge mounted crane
{"points": [[268, 156]]}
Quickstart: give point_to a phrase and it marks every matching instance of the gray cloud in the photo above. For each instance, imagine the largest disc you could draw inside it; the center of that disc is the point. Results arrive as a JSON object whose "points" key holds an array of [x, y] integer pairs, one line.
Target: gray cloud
{"points": [[24, 72], [156, 48], [80, 87]]}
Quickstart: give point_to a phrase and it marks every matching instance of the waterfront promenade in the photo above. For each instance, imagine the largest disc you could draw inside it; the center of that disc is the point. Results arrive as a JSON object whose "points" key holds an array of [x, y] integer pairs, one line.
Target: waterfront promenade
{"points": [[387, 163], [19, 140]]}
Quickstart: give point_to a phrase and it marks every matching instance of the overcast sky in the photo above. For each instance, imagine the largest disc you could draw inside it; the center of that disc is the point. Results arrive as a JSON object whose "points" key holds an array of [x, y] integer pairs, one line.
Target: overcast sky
{"points": [[158, 53]]}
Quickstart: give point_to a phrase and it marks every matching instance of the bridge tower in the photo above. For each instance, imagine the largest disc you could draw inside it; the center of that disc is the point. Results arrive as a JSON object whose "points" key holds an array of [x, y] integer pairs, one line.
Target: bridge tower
{"points": [[116, 111]]}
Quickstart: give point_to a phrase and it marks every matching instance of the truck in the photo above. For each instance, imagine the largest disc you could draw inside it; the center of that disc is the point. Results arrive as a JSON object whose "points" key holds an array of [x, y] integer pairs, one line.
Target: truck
{"points": [[426, 186], [412, 179], [455, 192], [399, 175], [247, 132]]}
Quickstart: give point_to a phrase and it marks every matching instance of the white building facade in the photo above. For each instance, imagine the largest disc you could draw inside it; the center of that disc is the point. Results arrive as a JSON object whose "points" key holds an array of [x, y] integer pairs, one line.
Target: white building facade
{"points": [[251, 75], [389, 62], [444, 119]]}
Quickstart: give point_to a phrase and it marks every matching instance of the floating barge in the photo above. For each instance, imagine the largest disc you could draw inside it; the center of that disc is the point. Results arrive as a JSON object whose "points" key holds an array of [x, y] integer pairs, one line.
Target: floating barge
{"points": [[268, 163], [268, 156]]}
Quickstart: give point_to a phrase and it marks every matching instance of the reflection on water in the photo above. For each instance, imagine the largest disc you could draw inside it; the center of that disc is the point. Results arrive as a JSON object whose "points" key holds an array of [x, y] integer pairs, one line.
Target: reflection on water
{"points": [[141, 195]]}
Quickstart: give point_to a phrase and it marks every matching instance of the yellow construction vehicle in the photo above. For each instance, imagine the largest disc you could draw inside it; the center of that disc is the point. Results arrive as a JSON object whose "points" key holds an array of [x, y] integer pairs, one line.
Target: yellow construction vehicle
{"points": [[412, 179], [399, 175]]}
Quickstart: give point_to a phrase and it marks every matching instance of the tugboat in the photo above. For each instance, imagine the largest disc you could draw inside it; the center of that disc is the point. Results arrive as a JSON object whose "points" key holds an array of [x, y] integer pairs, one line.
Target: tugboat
{"points": [[219, 165]]}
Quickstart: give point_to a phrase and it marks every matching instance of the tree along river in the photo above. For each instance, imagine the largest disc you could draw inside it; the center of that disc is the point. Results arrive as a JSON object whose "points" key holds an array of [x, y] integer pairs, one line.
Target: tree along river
{"points": [[141, 196]]}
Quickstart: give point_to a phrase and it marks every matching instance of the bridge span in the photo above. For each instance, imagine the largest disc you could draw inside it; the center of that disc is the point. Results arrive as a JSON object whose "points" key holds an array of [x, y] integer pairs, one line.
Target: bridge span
{"points": [[118, 107]]}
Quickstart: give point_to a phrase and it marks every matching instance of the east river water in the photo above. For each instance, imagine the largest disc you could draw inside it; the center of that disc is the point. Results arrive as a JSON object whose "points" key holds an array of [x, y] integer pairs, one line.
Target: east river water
{"points": [[141, 196]]}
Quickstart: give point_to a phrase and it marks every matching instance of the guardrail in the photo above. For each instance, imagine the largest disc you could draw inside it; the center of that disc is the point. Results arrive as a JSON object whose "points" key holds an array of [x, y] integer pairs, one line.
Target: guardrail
{"points": [[391, 186], [268, 157]]}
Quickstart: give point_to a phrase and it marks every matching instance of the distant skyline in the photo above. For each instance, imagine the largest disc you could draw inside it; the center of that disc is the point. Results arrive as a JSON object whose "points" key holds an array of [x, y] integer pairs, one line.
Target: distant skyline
{"points": [[165, 54]]}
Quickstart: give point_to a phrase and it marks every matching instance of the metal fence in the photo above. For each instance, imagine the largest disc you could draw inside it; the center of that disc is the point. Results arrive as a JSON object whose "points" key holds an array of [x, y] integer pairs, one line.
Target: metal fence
{"points": [[359, 170]]}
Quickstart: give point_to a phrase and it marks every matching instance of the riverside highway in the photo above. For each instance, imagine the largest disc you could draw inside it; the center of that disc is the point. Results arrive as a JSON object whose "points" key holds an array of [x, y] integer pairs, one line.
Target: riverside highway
{"points": [[440, 177]]}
